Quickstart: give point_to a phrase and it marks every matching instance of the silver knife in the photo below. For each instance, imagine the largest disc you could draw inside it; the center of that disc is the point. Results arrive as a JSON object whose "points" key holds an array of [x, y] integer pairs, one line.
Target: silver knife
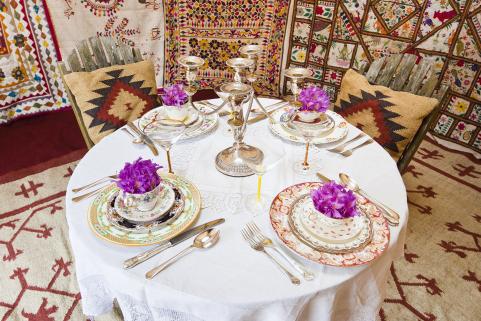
{"points": [[271, 108], [150, 144], [144, 256]]}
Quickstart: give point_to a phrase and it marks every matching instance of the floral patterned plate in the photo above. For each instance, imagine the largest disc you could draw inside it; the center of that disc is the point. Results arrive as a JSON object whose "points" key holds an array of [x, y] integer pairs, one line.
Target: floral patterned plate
{"points": [[328, 234], [101, 224], [279, 215], [283, 131], [133, 227], [202, 125]]}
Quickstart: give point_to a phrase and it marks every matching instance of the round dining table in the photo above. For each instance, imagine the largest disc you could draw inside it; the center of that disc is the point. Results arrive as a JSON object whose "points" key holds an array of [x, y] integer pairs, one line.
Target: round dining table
{"points": [[231, 281]]}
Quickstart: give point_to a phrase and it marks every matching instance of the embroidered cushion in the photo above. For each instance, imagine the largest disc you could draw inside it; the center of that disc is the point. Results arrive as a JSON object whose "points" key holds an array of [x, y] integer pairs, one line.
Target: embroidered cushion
{"points": [[108, 98], [390, 117]]}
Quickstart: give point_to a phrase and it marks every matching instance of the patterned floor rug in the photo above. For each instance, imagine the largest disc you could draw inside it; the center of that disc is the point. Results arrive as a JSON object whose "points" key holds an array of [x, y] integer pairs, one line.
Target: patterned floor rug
{"points": [[439, 277]]}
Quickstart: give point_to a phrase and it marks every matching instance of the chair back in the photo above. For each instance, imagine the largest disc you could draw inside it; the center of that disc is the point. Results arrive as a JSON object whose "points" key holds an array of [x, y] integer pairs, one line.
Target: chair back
{"points": [[92, 54], [401, 73]]}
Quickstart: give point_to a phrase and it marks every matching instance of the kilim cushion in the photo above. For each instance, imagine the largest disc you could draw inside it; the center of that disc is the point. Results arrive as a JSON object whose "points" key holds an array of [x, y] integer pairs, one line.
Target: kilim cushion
{"points": [[390, 117], [108, 98]]}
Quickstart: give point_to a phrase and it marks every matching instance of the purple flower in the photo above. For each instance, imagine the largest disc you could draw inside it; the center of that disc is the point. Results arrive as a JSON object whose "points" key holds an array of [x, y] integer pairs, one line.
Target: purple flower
{"points": [[139, 177], [314, 99], [174, 95], [334, 201]]}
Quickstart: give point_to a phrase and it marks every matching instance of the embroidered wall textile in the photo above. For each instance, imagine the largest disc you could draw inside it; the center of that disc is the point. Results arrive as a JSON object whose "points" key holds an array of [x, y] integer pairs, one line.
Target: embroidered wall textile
{"points": [[331, 36], [29, 78]]}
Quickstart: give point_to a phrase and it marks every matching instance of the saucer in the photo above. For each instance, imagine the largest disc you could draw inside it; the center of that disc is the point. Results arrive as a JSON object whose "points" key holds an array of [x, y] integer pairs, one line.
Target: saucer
{"points": [[164, 204], [127, 226], [328, 234]]}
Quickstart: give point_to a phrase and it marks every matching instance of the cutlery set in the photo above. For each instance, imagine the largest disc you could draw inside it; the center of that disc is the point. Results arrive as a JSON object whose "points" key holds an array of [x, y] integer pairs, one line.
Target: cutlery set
{"points": [[346, 152], [259, 242]]}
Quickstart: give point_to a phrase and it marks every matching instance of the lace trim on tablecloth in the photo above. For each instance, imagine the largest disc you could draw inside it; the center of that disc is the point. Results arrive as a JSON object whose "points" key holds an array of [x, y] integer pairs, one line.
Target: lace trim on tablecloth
{"points": [[134, 310], [96, 296]]}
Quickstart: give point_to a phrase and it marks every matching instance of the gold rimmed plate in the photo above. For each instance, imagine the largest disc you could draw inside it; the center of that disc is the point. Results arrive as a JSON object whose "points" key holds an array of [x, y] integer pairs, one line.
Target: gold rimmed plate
{"points": [[338, 132], [102, 226], [202, 124]]}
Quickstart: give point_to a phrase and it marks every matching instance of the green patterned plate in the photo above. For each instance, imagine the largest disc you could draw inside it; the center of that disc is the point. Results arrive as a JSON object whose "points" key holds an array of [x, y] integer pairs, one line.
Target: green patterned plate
{"points": [[101, 225]]}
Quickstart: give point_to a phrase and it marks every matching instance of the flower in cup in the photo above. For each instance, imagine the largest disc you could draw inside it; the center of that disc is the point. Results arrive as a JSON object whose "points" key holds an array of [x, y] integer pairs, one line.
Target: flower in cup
{"points": [[174, 95], [139, 177], [334, 201], [314, 99]]}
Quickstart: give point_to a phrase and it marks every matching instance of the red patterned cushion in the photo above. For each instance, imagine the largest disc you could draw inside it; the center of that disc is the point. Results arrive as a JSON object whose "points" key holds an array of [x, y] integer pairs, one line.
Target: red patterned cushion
{"points": [[108, 98], [390, 117]]}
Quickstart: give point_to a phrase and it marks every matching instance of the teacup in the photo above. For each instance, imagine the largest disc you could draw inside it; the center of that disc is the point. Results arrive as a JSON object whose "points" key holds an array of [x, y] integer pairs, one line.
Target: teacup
{"points": [[143, 202]]}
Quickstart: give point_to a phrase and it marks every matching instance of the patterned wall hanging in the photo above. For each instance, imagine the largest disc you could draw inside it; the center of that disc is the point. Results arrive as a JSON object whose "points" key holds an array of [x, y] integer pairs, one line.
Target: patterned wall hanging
{"points": [[215, 29], [331, 36], [138, 23], [29, 78]]}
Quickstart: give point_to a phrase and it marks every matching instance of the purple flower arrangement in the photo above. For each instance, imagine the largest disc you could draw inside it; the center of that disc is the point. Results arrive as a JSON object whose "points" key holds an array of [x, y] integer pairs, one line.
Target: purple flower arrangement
{"points": [[174, 95], [334, 201], [139, 177], [314, 99]]}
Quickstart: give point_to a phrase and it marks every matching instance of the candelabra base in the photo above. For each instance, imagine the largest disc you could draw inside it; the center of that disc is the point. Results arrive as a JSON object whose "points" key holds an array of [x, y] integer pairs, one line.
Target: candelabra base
{"points": [[231, 161]]}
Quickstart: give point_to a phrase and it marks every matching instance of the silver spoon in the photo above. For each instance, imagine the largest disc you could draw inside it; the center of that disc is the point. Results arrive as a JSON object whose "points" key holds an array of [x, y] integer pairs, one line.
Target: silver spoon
{"points": [[391, 216], [204, 240]]}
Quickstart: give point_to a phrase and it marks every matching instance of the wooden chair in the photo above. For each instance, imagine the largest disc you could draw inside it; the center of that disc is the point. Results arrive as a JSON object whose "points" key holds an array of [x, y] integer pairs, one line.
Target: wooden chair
{"points": [[92, 54], [401, 73]]}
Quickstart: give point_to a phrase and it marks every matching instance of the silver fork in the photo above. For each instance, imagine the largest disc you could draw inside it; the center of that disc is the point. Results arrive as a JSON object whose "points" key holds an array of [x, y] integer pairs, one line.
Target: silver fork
{"points": [[348, 152], [259, 247], [100, 180], [267, 242], [340, 148]]}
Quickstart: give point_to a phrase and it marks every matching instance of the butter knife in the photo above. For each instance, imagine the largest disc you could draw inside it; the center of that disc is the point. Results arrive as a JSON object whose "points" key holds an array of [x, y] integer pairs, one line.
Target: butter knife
{"points": [[146, 139], [144, 256]]}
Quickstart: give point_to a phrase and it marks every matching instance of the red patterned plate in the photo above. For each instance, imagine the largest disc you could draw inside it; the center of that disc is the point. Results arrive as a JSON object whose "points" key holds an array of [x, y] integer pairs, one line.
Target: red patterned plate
{"points": [[279, 216]]}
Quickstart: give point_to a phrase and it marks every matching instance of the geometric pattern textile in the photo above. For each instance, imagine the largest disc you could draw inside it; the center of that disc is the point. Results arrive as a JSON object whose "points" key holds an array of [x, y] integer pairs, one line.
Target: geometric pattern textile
{"points": [[215, 30], [391, 117], [108, 98], [439, 276], [139, 24], [30, 81], [330, 37], [37, 271]]}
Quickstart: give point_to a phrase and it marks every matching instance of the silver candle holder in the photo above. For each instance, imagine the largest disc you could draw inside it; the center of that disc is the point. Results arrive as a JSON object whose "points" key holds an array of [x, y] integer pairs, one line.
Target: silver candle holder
{"points": [[253, 52], [231, 161], [191, 65], [240, 65], [297, 76]]}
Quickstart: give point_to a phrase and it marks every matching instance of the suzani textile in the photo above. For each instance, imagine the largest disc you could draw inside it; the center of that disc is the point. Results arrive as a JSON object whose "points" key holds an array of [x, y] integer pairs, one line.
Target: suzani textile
{"points": [[216, 29], [133, 22], [329, 37], [29, 78]]}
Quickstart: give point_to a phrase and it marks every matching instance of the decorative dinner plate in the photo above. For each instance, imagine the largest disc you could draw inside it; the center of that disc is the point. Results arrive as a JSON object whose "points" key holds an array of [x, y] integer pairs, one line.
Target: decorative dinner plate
{"points": [[132, 227], [285, 132], [101, 224], [164, 203], [202, 125], [279, 215], [328, 234]]}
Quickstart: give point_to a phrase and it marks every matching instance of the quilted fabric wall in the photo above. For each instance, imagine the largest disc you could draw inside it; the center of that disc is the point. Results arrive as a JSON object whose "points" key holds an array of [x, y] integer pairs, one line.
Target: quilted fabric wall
{"points": [[331, 36], [29, 79]]}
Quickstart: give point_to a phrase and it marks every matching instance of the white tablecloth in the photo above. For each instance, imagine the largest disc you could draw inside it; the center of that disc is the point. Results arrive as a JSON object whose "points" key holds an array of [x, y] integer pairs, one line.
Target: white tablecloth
{"points": [[230, 281]]}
